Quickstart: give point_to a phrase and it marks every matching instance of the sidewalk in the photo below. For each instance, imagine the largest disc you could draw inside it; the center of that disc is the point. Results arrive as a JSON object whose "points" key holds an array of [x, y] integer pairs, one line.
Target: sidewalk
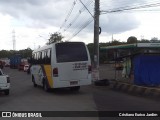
{"points": [[107, 75], [130, 88]]}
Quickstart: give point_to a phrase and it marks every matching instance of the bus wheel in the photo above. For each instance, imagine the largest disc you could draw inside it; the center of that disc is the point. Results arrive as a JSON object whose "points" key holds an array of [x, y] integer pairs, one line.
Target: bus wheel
{"points": [[75, 88], [45, 86], [34, 83]]}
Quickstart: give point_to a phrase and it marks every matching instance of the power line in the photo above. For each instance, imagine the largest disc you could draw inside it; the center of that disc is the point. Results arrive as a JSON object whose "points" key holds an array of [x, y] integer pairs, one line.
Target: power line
{"points": [[69, 13], [86, 9], [136, 10], [131, 8], [76, 17], [78, 26], [117, 4], [114, 5], [82, 27], [83, 23]]}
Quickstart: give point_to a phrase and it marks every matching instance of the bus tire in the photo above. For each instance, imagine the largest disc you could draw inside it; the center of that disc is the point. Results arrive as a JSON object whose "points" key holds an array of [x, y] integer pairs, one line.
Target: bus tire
{"points": [[75, 88], [34, 83], [45, 86]]}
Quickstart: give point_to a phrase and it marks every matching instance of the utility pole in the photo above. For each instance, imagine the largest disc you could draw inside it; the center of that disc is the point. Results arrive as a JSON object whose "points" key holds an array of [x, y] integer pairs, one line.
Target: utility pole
{"points": [[96, 41], [14, 40]]}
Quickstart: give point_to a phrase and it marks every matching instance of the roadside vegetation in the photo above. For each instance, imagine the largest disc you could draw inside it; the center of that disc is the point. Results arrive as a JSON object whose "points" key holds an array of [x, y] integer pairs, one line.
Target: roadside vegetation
{"points": [[57, 37]]}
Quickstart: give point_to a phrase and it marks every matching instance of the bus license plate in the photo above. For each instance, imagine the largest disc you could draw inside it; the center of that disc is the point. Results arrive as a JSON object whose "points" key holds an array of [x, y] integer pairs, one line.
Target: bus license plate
{"points": [[73, 82]]}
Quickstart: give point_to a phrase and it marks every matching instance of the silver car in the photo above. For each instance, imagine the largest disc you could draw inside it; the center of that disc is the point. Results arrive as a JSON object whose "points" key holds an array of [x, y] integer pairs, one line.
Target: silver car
{"points": [[4, 83]]}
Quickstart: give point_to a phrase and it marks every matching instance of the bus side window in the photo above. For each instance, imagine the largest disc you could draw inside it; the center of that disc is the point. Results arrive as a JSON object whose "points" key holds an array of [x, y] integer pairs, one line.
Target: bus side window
{"points": [[40, 58], [32, 59], [49, 56], [0, 72], [43, 57], [35, 58]]}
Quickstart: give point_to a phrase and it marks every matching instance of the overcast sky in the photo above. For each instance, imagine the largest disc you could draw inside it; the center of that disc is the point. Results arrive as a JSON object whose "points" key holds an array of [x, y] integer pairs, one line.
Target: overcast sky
{"points": [[34, 20]]}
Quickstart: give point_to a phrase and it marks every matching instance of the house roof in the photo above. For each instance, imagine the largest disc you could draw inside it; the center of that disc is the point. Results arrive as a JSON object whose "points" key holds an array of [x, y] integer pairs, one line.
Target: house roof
{"points": [[135, 45]]}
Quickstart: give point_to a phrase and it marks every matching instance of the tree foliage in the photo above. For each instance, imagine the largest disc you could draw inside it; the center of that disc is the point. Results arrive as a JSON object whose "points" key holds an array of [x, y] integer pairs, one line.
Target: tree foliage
{"points": [[131, 40], [55, 37], [144, 41], [8, 53], [154, 39], [103, 56], [115, 42]]}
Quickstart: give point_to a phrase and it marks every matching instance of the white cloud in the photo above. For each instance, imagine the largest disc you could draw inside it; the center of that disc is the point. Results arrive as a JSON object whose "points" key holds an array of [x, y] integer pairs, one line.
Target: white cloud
{"points": [[5, 31], [33, 20], [118, 23]]}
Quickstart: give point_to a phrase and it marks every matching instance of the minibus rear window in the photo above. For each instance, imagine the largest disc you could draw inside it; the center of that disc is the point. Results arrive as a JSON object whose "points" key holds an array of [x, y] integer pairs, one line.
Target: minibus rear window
{"points": [[71, 52]]}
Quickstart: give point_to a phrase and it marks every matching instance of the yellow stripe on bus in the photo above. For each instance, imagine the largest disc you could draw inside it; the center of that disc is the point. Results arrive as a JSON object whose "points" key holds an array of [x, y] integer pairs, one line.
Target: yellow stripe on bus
{"points": [[48, 71]]}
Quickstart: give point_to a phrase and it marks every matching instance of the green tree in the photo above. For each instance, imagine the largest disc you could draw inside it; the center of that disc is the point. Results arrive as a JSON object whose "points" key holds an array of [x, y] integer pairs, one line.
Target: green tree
{"points": [[115, 42], [144, 41], [131, 40], [25, 53], [154, 39], [55, 37]]}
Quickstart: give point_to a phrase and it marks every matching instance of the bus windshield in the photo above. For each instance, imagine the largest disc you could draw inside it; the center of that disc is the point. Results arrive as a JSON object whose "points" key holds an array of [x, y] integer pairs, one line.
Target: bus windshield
{"points": [[71, 52]]}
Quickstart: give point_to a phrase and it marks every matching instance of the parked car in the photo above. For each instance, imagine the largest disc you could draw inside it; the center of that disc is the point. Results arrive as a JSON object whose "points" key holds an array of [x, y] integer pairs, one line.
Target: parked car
{"points": [[21, 67], [26, 67], [7, 65], [4, 83]]}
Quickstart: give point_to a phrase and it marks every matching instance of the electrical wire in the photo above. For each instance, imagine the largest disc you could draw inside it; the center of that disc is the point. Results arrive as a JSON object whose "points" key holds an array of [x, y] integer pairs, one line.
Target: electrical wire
{"points": [[134, 6], [76, 17], [82, 27], [69, 13], [120, 9], [87, 9], [77, 24]]}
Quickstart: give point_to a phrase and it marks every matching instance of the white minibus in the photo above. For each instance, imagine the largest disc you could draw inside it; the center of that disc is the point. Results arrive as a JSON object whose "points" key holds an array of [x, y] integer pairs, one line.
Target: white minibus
{"points": [[59, 65]]}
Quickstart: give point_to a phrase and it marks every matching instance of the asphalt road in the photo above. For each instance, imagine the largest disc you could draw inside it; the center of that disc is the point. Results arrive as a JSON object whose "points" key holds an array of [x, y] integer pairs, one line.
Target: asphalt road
{"points": [[24, 97]]}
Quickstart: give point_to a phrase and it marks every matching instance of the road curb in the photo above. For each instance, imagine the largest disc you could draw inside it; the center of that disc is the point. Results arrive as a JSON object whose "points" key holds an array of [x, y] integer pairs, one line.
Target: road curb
{"points": [[151, 92], [125, 87]]}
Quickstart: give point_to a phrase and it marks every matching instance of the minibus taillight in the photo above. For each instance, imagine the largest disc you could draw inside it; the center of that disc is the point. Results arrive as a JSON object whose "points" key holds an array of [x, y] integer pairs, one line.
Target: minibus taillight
{"points": [[89, 69], [55, 72]]}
